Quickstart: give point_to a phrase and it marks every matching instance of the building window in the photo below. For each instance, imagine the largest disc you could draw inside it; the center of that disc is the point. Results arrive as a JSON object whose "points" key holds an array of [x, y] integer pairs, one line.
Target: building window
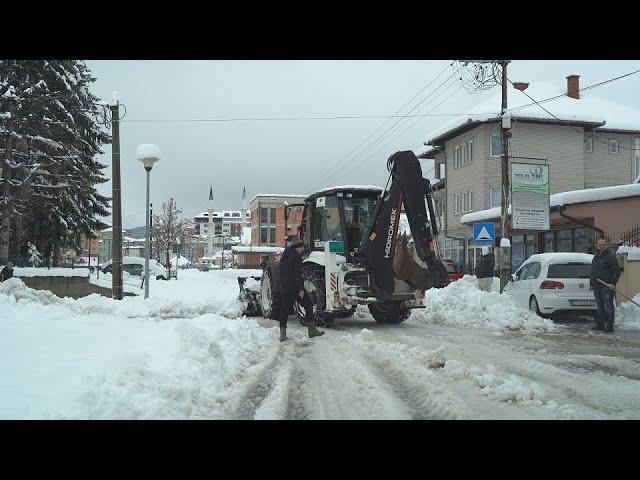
{"points": [[272, 234], [470, 196], [564, 240], [456, 203], [264, 212], [613, 146], [264, 231], [464, 201], [496, 145], [272, 215], [456, 157], [496, 199], [588, 145], [470, 150]]}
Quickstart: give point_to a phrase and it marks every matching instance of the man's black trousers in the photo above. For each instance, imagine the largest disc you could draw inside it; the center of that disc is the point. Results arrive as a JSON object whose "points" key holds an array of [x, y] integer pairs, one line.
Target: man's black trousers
{"points": [[287, 301]]}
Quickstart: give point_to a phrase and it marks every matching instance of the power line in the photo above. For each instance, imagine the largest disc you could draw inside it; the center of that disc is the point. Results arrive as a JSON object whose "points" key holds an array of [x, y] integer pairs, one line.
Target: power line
{"points": [[395, 137], [327, 174]]}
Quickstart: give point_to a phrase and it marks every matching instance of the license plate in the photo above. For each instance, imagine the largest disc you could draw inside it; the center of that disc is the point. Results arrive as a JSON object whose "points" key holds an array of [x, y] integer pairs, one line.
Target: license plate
{"points": [[583, 303]]}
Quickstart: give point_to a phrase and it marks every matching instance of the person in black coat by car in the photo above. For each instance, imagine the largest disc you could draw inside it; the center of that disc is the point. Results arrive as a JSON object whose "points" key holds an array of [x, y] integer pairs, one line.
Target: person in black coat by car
{"points": [[7, 272], [604, 267], [292, 289]]}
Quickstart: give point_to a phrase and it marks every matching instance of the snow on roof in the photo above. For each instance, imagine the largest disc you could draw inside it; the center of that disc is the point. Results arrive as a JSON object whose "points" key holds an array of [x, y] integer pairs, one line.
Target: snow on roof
{"points": [[350, 187], [50, 272], [277, 195], [237, 214], [566, 198], [252, 249], [588, 108], [560, 257]]}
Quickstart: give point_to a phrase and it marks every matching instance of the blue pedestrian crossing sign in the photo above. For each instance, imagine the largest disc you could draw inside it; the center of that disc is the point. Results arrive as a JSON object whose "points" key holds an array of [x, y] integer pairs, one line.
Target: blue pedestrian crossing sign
{"points": [[484, 233]]}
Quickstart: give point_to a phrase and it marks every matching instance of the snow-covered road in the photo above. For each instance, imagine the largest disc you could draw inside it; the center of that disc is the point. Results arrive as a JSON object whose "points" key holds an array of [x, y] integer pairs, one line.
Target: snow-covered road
{"points": [[188, 353]]}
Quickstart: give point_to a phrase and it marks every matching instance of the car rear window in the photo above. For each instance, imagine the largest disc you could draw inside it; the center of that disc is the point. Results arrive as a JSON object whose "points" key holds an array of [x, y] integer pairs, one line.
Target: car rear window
{"points": [[569, 270]]}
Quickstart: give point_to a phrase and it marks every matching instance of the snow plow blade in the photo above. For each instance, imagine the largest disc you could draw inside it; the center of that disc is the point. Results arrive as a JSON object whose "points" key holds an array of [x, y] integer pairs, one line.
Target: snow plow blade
{"points": [[250, 296]]}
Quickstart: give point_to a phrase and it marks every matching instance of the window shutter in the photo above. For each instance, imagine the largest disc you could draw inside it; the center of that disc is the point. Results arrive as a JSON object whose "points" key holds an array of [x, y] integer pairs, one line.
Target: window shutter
{"points": [[470, 201], [470, 151], [464, 201]]}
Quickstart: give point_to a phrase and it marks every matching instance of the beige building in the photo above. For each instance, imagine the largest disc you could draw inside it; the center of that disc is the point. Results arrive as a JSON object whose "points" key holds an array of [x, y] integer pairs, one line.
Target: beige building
{"points": [[267, 218], [592, 143]]}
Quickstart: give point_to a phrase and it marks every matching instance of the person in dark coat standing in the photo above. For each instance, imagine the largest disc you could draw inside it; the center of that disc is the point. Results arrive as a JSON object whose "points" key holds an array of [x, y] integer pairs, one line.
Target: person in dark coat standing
{"points": [[7, 272], [604, 267], [484, 270], [292, 289]]}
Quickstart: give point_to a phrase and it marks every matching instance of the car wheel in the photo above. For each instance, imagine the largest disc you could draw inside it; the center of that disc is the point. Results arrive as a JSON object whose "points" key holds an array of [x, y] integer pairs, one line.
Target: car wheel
{"points": [[533, 306]]}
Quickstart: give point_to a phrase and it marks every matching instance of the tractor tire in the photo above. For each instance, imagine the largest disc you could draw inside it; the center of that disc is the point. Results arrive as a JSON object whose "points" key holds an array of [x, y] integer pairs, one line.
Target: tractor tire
{"points": [[389, 312], [315, 275], [269, 300]]}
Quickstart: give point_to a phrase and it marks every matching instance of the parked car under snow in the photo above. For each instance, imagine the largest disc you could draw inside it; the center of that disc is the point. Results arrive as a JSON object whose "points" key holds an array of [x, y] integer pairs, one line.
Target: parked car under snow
{"points": [[550, 283], [135, 266]]}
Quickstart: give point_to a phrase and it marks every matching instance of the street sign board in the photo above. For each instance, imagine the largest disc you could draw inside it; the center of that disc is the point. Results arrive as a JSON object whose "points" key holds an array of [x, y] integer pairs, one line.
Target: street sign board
{"points": [[484, 233], [530, 196]]}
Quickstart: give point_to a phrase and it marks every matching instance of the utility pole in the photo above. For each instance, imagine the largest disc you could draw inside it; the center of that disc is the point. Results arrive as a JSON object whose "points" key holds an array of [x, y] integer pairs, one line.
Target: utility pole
{"points": [[116, 246], [505, 129], [150, 228]]}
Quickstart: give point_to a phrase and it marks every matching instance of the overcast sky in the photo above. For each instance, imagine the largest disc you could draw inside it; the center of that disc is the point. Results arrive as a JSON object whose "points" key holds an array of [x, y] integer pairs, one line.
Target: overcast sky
{"points": [[291, 156]]}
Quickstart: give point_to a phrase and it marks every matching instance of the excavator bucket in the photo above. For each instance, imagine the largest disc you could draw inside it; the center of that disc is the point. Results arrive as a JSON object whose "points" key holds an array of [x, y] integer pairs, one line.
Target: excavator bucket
{"points": [[250, 296]]}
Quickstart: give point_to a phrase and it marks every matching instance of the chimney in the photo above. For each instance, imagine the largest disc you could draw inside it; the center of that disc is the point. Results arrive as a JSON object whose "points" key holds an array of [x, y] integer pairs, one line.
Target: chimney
{"points": [[522, 86], [573, 86]]}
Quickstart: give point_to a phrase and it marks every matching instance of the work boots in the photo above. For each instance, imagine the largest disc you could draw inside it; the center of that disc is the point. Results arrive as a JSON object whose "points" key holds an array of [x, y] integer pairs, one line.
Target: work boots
{"points": [[608, 327], [283, 334], [313, 331], [598, 326]]}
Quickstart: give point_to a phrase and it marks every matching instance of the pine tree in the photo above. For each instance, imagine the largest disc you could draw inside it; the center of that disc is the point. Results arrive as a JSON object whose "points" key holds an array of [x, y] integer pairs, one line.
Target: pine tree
{"points": [[49, 136]]}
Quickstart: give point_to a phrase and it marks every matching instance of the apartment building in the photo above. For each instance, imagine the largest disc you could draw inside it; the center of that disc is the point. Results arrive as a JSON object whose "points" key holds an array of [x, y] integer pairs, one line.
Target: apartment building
{"points": [[587, 143], [226, 222], [267, 218]]}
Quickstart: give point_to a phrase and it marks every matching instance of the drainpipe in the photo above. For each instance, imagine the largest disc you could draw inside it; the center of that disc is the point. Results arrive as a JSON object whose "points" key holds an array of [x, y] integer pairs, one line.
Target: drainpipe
{"points": [[579, 222]]}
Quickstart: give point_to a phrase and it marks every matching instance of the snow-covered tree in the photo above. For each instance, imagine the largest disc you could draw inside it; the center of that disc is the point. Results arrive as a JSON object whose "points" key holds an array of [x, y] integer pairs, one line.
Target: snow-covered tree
{"points": [[34, 255], [49, 136], [167, 226]]}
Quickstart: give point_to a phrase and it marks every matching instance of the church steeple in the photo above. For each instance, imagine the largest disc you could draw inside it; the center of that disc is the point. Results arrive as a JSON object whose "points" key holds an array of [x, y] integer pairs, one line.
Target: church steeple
{"points": [[211, 192]]}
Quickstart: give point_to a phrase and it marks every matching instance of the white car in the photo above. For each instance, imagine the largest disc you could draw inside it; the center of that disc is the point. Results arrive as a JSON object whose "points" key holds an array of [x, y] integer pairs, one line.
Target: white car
{"points": [[549, 283], [135, 266]]}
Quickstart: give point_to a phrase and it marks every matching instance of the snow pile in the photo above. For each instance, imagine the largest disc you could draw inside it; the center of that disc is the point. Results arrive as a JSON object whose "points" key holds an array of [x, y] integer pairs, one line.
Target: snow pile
{"points": [[50, 272], [512, 389], [183, 261], [216, 364], [633, 253], [462, 304], [14, 290], [628, 314]]}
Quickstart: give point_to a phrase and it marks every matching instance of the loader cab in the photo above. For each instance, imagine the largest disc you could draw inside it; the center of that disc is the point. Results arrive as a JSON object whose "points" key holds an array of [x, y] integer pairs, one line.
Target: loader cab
{"points": [[340, 214]]}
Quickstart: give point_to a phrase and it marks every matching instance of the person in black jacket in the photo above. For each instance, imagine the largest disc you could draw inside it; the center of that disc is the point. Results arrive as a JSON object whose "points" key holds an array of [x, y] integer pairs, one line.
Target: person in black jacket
{"points": [[292, 289], [484, 270], [7, 272], [604, 267]]}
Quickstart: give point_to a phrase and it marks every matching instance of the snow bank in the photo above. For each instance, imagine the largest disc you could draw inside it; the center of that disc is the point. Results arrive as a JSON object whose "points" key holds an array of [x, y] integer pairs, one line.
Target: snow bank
{"points": [[207, 376], [462, 304], [50, 272], [628, 314]]}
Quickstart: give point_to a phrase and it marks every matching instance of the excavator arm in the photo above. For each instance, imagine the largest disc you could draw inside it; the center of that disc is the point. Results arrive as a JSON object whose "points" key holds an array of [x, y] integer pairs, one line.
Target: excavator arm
{"points": [[406, 187]]}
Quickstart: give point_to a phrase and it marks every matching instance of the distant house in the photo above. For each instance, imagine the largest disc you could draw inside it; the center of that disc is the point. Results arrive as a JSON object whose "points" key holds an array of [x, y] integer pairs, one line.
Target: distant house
{"points": [[592, 143]]}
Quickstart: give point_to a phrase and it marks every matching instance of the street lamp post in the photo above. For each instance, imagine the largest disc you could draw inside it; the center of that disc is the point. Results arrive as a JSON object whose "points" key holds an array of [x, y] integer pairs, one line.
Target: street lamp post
{"points": [[147, 154]]}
